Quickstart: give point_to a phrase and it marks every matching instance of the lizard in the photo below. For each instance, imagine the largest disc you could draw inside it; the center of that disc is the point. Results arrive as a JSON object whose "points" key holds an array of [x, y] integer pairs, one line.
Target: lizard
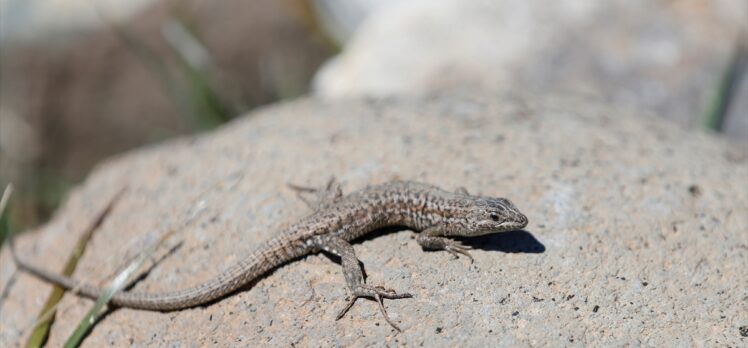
{"points": [[335, 222]]}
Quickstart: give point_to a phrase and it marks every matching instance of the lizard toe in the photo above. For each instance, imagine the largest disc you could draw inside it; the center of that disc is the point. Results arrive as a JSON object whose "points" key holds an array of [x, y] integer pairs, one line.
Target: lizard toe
{"points": [[456, 248]]}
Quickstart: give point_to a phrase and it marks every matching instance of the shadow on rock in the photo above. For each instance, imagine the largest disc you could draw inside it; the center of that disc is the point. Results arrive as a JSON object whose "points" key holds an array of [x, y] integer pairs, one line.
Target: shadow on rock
{"points": [[508, 242]]}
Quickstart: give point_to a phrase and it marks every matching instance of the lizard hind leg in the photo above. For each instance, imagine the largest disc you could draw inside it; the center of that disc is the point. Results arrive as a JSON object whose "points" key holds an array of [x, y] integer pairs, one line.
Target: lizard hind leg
{"points": [[355, 279], [323, 197]]}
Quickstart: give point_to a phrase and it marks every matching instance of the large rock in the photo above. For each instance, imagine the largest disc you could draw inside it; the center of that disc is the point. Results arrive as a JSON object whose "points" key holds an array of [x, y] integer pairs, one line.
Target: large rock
{"points": [[667, 56], [637, 231]]}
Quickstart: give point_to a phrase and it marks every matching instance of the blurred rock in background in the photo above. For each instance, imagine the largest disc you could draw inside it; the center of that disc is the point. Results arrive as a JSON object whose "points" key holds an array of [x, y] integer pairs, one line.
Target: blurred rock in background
{"points": [[672, 57], [82, 80]]}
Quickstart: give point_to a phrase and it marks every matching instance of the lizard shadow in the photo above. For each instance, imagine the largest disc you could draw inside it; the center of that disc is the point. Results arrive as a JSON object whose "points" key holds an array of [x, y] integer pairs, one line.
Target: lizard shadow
{"points": [[519, 241]]}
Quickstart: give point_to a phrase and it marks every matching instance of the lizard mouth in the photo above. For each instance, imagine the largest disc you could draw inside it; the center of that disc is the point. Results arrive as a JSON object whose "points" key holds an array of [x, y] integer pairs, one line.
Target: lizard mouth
{"points": [[520, 223], [506, 226]]}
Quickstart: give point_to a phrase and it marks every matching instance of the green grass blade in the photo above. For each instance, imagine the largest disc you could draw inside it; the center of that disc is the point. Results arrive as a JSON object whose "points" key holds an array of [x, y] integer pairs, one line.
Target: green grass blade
{"points": [[155, 64], [6, 196], [47, 315], [203, 100], [4, 229], [725, 92], [189, 82], [121, 281]]}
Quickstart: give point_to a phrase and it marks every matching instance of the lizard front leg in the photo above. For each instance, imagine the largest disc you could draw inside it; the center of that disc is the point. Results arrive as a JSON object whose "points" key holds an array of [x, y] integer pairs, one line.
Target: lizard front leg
{"points": [[431, 239], [354, 277]]}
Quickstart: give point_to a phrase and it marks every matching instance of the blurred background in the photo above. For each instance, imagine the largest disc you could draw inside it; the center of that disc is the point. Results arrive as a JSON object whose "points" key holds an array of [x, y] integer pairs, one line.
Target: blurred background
{"points": [[81, 81]]}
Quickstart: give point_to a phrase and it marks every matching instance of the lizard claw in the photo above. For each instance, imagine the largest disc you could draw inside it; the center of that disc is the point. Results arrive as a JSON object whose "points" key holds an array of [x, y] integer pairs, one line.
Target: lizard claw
{"points": [[376, 293], [456, 248]]}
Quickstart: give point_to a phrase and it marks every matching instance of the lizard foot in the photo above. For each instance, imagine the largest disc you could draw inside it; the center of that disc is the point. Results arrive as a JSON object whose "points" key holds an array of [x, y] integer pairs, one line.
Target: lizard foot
{"points": [[377, 293], [456, 248]]}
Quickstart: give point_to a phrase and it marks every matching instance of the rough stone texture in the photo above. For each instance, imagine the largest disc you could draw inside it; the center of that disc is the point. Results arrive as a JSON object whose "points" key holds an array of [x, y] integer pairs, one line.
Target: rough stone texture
{"points": [[667, 56], [637, 230]]}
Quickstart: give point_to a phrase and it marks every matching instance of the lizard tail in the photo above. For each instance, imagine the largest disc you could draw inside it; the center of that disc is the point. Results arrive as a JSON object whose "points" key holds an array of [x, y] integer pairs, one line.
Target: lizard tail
{"points": [[270, 256]]}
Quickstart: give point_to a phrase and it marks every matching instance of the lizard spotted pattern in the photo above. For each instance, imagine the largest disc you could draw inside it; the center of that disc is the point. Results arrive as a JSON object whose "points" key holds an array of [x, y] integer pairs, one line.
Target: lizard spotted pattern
{"points": [[336, 221]]}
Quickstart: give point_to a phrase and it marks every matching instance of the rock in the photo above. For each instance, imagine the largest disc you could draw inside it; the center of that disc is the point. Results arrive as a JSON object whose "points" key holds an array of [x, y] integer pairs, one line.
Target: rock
{"points": [[665, 56], [636, 235]]}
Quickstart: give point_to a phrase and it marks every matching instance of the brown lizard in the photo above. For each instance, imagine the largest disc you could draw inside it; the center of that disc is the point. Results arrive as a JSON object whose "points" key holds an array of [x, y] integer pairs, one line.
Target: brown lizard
{"points": [[336, 221]]}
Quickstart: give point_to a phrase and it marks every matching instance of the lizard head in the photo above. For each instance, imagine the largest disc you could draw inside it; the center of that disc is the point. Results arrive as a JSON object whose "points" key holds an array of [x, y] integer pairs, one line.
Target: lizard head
{"points": [[493, 215]]}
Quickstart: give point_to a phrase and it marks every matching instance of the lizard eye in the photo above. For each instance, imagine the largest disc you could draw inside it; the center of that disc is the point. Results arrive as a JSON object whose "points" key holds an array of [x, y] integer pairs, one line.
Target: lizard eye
{"points": [[494, 217]]}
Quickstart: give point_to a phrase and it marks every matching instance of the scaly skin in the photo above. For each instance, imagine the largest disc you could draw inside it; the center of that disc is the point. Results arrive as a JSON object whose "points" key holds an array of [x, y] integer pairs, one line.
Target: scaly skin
{"points": [[337, 220]]}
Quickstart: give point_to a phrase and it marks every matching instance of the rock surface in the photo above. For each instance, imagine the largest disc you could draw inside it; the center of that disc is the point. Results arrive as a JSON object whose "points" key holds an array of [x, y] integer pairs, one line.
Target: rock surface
{"points": [[666, 56], [637, 231]]}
